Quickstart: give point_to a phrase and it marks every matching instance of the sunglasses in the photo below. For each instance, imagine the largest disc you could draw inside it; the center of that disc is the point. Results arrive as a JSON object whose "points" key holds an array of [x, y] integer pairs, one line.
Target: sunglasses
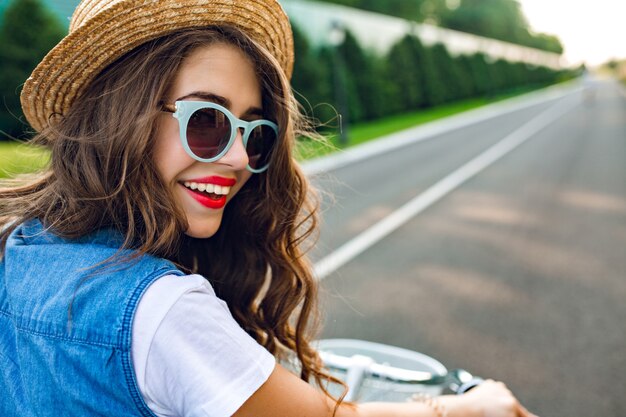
{"points": [[208, 130]]}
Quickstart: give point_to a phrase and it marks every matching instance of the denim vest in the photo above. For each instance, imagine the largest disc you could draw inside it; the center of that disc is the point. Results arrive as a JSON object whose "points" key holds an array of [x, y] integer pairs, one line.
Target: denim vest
{"points": [[49, 365]]}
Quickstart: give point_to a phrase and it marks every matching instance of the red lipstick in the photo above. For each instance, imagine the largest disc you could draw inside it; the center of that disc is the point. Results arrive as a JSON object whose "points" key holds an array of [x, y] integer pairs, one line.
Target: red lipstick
{"points": [[204, 198]]}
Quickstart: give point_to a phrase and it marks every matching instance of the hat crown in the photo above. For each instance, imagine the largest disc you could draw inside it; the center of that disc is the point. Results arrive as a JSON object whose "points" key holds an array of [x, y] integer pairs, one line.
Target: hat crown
{"points": [[88, 9], [101, 31]]}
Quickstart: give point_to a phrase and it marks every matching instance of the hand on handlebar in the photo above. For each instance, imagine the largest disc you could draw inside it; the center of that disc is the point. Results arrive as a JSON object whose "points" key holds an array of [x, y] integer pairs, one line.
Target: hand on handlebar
{"points": [[494, 399]]}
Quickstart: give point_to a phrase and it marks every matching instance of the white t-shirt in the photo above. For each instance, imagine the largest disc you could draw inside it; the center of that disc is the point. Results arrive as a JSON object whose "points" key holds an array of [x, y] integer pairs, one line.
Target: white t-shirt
{"points": [[191, 358]]}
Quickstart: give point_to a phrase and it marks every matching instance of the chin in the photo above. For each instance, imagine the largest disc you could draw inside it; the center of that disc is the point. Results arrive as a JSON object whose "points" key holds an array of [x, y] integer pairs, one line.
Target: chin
{"points": [[202, 230]]}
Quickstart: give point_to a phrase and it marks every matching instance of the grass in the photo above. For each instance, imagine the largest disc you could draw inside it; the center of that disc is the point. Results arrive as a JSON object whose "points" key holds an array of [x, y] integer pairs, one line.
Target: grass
{"points": [[366, 131], [19, 158]]}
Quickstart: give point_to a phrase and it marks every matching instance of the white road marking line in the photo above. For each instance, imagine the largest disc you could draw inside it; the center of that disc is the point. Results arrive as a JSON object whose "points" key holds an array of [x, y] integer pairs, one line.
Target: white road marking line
{"points": [[377, 232], [430, 130]]}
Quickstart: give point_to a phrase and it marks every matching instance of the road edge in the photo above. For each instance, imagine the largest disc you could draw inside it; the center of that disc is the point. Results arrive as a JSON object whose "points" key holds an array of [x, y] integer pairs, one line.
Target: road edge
{"points": [[429, 130]]}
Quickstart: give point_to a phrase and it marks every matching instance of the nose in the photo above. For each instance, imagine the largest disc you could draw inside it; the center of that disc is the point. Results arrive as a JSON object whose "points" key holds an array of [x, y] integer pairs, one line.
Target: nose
{"points": [[236, 157]]}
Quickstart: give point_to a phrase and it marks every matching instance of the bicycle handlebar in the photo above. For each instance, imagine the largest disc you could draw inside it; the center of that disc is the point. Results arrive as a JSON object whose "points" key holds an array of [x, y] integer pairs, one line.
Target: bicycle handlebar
{"points": [[390, 373], [358, 367]]}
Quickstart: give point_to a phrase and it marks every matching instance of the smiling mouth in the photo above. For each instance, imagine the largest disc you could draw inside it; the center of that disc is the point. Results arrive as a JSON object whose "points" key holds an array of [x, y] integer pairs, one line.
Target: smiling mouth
{"points": [[214, 192]]}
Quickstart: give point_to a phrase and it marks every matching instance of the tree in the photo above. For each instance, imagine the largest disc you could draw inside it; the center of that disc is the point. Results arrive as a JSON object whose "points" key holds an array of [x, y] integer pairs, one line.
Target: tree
{"points": [[383, 91], [450, 73], [405, 61], [350, 62], [479, 73], [547, 42], [312, 78], [366, 75], [418, 10], [434, 81], [27, 33], [498, 19]]}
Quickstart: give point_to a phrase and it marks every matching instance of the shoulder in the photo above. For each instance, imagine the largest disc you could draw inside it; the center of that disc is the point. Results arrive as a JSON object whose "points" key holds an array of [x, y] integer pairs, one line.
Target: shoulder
{"points": [[189, 353], [159, 298], [90, 281], [158, 301]]}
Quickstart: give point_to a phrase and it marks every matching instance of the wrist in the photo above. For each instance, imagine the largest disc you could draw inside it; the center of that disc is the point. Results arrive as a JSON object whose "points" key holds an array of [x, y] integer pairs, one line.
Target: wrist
{"points": [[460, 406], [436, 405]]}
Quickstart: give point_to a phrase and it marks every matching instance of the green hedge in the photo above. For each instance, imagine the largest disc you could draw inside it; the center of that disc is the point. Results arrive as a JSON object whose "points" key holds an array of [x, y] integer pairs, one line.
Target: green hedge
{"points": [[411, 76]]}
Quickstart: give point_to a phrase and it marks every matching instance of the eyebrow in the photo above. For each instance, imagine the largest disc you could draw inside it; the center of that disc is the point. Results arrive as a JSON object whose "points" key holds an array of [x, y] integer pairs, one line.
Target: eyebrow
{"points": [[222, 101]]}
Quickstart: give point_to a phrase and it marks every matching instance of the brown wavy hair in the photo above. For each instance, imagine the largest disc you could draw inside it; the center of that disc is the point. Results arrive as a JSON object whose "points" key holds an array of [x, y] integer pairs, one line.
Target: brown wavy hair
{"points": [[102, 174]]}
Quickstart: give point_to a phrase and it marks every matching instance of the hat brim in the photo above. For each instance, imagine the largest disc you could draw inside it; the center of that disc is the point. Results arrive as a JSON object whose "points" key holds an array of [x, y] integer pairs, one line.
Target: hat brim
{"points": [[75, 61]]}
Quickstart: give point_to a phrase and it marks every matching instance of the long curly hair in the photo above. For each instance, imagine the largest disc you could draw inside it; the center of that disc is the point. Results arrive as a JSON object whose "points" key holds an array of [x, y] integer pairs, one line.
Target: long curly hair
{"points": [[102, 174]]}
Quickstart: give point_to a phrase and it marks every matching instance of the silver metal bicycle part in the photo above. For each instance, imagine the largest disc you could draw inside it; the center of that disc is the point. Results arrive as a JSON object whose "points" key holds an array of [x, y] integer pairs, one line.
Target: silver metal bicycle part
{"points": [[374, 371]]}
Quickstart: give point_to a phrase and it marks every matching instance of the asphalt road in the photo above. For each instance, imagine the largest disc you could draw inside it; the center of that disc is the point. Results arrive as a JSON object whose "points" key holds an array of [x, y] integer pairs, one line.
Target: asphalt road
{"points": [[519, 274]]}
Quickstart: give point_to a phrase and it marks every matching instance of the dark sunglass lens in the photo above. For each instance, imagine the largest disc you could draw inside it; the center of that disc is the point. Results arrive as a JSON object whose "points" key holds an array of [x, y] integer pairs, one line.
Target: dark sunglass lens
{"points": [[208, 132], [260, 144]]}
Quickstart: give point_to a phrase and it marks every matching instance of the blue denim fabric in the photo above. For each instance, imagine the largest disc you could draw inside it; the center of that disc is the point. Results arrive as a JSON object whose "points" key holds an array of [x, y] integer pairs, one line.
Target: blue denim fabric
{"points": [[50, 366]]}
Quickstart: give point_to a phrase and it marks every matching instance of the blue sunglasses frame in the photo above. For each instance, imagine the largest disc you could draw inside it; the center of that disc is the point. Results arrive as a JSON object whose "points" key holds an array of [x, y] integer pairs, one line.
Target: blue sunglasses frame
{"points": [[182, 111]]}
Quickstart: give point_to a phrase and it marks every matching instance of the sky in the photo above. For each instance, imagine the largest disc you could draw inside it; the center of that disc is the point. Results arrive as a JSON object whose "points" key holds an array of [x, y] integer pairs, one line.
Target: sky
{"points": [[590, 31]]}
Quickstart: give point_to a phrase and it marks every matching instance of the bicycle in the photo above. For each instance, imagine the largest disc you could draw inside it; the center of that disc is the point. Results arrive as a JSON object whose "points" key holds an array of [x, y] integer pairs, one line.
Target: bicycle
{"points": [[379, 372]]}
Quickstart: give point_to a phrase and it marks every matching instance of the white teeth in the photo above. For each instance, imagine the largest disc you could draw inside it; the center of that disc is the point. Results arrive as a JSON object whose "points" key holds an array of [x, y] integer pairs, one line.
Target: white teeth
{"points": [[208, 188]]}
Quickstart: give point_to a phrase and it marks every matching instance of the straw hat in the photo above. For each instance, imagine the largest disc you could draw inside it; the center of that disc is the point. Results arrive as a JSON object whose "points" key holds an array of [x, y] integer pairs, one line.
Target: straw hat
{"points": [[103, 30]]}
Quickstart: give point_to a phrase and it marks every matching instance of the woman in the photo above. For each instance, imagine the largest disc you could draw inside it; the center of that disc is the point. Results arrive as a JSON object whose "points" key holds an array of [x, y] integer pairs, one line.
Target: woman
{"points": [[155, 267]]}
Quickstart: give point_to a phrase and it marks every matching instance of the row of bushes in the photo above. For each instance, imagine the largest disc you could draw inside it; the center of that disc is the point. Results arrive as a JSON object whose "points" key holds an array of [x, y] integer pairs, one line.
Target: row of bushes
{"points": [[411, 76]]}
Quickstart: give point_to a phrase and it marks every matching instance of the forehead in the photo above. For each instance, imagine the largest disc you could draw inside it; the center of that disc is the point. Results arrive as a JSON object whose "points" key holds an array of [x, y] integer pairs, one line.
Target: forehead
{"points": [[220, 69]]}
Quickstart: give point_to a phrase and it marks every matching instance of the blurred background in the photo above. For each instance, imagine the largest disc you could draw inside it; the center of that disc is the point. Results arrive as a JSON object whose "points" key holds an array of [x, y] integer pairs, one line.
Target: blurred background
{"points": [[500, 127]]}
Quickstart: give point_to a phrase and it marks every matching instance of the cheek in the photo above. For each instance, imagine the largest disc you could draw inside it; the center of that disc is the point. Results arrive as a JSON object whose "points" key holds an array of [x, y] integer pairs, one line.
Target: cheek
{"points": [[245, 176], [169, 155], [242, 180]]}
